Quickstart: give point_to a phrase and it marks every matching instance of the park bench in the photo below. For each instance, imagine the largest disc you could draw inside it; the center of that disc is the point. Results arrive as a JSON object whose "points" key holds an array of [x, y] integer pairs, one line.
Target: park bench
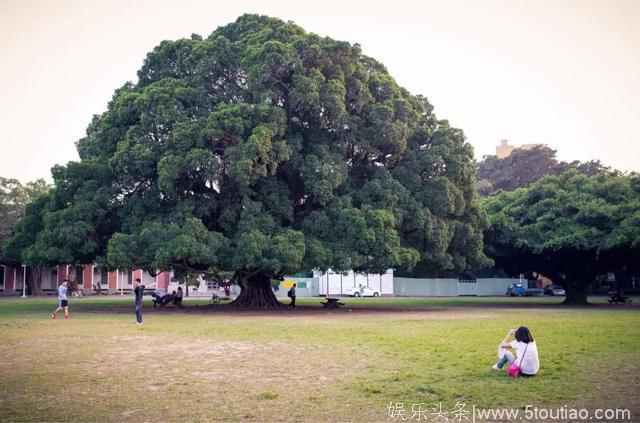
{"points": [[98, 290], [332, 303], [619, 299]]}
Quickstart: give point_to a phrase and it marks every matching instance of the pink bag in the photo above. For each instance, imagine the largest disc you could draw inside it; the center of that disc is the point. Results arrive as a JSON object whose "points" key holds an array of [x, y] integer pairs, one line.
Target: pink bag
{"points": [[514, 369]]}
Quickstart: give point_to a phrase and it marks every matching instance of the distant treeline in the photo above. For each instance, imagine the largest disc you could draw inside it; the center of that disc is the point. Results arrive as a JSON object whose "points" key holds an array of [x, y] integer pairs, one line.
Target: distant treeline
{"points": [[523, 167]]}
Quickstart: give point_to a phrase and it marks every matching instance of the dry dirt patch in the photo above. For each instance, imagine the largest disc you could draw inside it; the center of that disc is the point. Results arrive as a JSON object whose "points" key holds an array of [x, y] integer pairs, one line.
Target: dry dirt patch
{"points": [[220, 365]]}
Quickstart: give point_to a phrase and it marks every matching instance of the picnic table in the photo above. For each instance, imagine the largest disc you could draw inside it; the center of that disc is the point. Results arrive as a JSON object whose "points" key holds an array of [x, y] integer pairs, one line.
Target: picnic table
{"points": [[332, 303]]}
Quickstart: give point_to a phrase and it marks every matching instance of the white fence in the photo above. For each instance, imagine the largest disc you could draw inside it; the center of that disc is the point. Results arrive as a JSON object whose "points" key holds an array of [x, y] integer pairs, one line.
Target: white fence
{"points": [[422, 287], [494, 286], [443, 287]]}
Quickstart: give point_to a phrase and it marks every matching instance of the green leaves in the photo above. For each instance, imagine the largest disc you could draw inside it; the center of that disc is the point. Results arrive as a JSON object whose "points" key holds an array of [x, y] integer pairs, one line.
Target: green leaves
{"points": [[571, 227], [387, 134], [163, 245], [383, 87], [305, 92], [256, 157], [282, 252], [322, 173], [359, 239], [22, 245], [179, 175], [271, 63], [14, 200], [565, 211], [263, 147]]}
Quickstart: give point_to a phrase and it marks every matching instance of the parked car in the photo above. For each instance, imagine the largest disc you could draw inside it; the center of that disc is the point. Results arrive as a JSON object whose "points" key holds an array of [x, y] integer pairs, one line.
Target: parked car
{"points": [[555, 290], [364, 291], [519, 290]]}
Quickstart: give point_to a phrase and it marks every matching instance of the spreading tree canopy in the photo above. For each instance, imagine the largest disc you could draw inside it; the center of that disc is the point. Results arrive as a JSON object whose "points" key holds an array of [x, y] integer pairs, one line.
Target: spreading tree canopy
{"points": [[571, 228], [264, 149]]}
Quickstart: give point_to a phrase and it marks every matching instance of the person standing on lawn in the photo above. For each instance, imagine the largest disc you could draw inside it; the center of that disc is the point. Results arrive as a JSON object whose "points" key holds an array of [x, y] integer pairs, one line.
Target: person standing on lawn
{"points": [[63, 303], [292, 295], [138, 291], [179, 296]]}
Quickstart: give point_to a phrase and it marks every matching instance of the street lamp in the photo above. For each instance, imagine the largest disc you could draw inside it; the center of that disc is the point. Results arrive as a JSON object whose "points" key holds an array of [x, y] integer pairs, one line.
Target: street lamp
{"points": [[24, 281]]}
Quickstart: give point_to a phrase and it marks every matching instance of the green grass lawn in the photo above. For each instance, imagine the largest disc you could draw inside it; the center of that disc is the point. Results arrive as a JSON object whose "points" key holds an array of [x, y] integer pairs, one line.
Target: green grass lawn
{"points": [[204, 363]]}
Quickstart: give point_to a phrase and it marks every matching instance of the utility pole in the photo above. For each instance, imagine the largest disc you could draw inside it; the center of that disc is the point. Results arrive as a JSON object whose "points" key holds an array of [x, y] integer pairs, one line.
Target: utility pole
{"points": [[24, 281]]}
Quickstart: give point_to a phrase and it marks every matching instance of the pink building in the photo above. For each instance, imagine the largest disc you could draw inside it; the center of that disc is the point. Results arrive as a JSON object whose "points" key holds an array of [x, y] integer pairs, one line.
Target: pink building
{"points": [[86, 276]]}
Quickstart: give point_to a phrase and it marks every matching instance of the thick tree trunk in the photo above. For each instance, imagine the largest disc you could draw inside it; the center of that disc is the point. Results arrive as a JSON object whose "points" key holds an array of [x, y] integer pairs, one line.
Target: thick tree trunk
{"points": [[35, 284], [256, 292], [576, 294]]}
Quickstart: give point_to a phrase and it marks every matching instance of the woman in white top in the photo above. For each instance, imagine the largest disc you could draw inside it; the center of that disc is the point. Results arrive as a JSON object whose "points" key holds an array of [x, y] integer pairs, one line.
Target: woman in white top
{"points": [[526, 352]]}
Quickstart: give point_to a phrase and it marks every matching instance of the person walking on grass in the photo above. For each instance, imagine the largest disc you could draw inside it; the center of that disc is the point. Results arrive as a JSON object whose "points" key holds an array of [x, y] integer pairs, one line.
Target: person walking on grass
{"points": [[526, 357], [138, 291], [292, 295], [63, 303]]}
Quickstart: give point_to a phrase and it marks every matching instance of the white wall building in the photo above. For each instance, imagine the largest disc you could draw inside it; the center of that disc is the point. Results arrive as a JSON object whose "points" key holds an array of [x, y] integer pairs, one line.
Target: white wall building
{"points": [[336, 283]]}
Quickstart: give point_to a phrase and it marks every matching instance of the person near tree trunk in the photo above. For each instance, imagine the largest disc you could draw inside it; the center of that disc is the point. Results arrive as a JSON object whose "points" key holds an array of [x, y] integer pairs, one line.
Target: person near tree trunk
{"points": [[292, 295], [178, 298]]}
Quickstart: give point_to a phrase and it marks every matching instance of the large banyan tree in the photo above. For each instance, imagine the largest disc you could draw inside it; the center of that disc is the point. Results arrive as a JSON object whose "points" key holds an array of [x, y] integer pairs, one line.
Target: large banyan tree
{"points": [[264, 150]]}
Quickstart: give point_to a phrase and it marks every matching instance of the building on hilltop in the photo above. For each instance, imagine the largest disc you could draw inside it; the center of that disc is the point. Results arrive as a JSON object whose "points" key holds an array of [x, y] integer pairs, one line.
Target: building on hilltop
{"points": [[504, 149]]}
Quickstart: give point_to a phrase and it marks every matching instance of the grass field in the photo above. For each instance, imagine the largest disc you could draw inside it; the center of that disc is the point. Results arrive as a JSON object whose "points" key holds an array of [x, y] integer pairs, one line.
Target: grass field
{"points": [[202, 363]]}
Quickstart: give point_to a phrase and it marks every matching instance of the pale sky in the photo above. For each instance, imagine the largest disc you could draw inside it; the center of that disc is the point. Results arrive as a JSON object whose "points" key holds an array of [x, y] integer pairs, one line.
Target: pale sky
{"points": [[565, 73]]}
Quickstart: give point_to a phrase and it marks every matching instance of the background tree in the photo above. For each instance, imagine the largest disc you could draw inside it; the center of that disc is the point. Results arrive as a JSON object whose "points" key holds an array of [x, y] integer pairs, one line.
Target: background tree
{"points": [[523, 167], [222, 279], [570, 227], [262, 150], [187, 279], [27, 246], [14, 198], [20, 203]]}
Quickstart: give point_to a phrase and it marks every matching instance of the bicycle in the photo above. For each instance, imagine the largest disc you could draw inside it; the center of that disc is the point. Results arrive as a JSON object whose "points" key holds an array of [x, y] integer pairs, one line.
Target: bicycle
{"points": [[74, 290], [214, 300]]}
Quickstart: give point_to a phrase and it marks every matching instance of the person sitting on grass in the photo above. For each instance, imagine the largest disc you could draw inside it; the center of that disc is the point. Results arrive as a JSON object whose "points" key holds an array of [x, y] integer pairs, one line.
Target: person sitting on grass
{"points": [[526, 352]]}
